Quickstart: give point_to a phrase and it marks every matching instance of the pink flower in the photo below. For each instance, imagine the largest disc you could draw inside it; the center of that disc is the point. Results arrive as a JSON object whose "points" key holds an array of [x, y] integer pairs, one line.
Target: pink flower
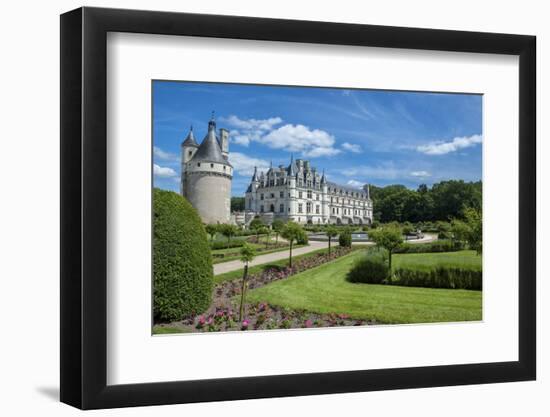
{"points": [[308, 323], [244, 324]]}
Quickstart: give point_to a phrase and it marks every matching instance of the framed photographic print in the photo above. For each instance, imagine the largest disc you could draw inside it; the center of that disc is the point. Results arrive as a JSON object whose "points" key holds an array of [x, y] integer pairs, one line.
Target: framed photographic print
{"points": [[257, 208]]}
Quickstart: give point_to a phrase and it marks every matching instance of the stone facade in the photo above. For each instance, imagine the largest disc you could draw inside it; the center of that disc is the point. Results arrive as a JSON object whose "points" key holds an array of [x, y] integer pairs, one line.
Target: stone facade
{"points": [[301, 194], [206, 175]]}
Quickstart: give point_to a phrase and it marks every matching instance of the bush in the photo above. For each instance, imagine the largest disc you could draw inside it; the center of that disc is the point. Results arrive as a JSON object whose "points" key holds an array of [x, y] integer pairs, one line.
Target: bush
{"points": [[344, 239], [440, 277], [182, 265], [443, 235], [437, 246], [370, 269], [226, 245], [302, 239]]}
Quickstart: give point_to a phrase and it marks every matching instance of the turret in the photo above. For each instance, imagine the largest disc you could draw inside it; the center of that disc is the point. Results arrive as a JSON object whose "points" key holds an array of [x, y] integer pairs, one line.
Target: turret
{"points": [[188, 149]]}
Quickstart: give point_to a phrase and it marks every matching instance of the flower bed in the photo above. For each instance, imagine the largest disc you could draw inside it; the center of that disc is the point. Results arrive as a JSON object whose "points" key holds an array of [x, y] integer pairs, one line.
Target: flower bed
{"points": [[223, 315], [262, 316]]}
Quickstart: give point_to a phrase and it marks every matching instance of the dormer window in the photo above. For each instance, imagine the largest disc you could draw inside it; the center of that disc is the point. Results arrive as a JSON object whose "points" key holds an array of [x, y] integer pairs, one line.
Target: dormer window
{"points": [[198, 164]]}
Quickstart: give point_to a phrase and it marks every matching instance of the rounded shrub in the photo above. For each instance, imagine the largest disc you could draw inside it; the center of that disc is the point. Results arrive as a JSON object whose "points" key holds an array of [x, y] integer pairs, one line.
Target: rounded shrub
{"points": [[369, 269], [344, 239], [182, 264]]}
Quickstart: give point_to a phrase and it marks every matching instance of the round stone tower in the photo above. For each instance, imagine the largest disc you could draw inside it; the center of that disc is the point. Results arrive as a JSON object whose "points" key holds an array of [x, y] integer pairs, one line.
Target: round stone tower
{"points": [[207, 176]]}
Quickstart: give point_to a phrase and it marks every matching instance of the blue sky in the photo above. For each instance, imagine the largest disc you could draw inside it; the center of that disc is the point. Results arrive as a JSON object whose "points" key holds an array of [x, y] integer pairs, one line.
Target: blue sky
{"points": [[357, 136]]}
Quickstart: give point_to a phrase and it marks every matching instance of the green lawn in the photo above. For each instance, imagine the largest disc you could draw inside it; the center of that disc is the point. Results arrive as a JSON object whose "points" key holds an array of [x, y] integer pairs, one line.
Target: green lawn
{"points": [[325, 290], [228, 276], [466, 259]]}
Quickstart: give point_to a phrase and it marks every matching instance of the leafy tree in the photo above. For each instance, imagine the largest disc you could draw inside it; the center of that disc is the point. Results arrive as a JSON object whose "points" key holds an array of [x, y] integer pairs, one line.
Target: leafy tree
{"points": [[475, 223], [292, 232], [211, 229], [344, 240], [389, 237], [331, 232], [460, 231], [237, 204], [408, 229], [277, 226], [228, 230], [248, 253]]}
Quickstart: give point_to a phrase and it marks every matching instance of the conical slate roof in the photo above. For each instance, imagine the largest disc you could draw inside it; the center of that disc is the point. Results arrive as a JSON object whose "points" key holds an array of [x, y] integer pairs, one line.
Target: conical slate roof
{"points": [[190, 139], [209, 150]]}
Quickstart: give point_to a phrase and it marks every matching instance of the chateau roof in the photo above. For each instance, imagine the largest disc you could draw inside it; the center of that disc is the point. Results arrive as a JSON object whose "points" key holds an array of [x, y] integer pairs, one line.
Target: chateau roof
{"points": [[190, 140], [345, 188], [210, 150]]}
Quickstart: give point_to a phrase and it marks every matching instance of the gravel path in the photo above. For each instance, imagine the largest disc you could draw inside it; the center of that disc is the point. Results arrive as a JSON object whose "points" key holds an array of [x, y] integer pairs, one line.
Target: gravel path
{"points": [[223, 267]]}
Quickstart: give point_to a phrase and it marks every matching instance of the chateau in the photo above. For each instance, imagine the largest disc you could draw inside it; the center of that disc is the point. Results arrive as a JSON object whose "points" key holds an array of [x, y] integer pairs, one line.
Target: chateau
{"points": [[300, 193], [297, 192], [206, 174]]}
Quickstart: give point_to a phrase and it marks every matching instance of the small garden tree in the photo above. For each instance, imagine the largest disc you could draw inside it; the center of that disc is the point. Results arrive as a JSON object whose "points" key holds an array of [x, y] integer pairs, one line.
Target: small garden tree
{"points": [[292, 232], [228, 230], [211, 229], [331, 232], [475, 224], [277, 226], [389, 237], [248, 253], [344, 240], [255, 225], [264, 230]]}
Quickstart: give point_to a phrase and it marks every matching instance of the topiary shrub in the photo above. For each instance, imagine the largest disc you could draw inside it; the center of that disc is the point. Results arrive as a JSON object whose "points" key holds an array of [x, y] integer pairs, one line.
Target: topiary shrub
{"points": [[344, 239], [369, 269], [182, 264]]}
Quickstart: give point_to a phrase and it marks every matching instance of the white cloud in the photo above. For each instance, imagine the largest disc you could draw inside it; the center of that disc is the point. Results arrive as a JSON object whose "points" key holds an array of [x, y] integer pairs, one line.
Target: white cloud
{"points": [[300, 138], [163, 172], [442, 148], [351, 147], [318, 152], [310, 143], [355, 184], [422, 174], [252, 124], [244, 165], [384, 171], [165, 156]]}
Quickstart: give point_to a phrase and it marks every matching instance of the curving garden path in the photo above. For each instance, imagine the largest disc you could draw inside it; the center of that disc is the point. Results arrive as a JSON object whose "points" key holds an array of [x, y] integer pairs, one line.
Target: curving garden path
{"points": [[223, 267]]}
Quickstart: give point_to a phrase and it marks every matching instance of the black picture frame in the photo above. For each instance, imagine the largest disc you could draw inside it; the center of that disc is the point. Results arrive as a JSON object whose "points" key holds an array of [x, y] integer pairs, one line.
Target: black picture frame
{"points": [[84, 207]]}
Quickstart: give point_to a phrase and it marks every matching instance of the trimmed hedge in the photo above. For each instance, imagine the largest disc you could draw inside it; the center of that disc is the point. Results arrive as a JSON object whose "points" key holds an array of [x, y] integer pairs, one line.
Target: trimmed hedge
{"points": [[437, 246], [369, 269], [440, 277], [220, 244], [182, 264]]}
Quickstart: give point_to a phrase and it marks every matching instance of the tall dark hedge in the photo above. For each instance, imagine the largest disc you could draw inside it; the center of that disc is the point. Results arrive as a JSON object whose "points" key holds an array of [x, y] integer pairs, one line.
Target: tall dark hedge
{"points": [[182, 263]]}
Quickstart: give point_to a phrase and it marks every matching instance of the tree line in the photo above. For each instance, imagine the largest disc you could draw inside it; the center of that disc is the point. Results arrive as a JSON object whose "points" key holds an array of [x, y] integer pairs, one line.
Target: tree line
{"points": [[442, 201]]}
